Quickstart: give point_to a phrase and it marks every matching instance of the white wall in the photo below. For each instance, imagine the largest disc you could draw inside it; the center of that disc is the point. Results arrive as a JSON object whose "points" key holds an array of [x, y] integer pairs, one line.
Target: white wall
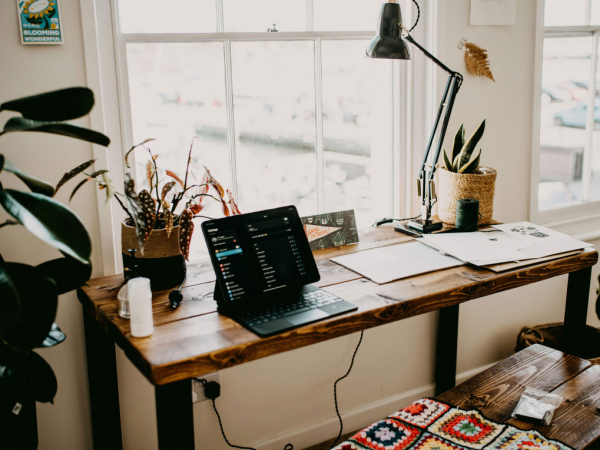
{"points": [[288, 398]]}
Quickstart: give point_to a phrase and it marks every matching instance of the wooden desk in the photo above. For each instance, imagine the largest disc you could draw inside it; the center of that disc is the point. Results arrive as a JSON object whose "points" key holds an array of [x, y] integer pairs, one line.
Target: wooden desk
{"points": [[195, 340]]}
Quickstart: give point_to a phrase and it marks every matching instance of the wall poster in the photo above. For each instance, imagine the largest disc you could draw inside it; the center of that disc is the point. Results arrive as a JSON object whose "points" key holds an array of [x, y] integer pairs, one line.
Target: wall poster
{"points": [[40, 22], [331, 230]]}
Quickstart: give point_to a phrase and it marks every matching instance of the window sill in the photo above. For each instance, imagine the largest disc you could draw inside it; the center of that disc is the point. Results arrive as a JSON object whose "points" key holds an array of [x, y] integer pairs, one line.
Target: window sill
{"points": [[580, 221]]}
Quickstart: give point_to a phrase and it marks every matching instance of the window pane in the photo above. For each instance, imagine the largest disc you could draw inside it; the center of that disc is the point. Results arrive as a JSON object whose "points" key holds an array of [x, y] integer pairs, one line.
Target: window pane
{"points": [[347, 15], [178, 92], [260, 15], [348, 98], [565, 71], [175, 16], [564, 12], [274, 106]]}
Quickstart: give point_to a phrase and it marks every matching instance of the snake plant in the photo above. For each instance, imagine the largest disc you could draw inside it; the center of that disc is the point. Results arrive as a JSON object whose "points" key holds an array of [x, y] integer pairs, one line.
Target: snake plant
{"points": [[462, 151]]}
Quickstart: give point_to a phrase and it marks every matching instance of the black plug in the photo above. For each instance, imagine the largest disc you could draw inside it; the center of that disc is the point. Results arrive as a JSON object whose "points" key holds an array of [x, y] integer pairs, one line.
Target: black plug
{"points": [[212, 390], [175, 298]]}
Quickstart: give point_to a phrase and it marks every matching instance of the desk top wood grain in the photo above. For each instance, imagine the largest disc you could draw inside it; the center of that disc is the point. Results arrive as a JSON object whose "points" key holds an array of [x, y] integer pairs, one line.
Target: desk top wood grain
{"points": [[194, 339]]}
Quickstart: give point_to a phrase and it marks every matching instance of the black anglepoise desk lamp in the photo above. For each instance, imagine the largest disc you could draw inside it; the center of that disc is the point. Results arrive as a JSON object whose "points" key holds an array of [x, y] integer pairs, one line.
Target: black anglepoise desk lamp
{"points": [[389, 44]]}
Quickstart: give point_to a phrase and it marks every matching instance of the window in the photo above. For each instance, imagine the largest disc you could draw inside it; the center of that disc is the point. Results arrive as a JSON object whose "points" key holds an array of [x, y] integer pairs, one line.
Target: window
{"points": [[286, 107], [569, 139]]}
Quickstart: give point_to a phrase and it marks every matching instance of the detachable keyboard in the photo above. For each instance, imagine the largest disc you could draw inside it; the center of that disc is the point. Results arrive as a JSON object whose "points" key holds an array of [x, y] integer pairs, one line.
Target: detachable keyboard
{"points": [[304, 302]]}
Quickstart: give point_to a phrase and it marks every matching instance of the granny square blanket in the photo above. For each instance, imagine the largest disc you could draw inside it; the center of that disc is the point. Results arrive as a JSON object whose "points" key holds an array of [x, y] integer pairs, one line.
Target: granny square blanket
{"points": [[429, 424]]}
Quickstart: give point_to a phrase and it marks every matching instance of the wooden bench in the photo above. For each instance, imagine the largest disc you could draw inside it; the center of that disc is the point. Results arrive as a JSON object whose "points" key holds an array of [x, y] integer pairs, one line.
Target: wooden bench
{"points": [[496, 391]]}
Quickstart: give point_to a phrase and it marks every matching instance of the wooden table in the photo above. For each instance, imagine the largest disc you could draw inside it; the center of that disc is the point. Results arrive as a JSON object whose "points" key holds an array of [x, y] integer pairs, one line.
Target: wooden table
{"points": [[195, 340], [496, 391]]}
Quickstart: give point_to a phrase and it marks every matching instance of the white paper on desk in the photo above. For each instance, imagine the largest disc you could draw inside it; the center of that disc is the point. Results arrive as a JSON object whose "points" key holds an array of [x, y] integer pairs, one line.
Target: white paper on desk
{"points": [[530, 232], [474, 246], [493, 12], [386, 264]]}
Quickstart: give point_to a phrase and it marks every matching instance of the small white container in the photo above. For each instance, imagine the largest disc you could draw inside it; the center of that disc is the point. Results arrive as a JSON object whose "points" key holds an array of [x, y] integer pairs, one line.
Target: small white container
{"points": [[140, 307], [123, 302]]}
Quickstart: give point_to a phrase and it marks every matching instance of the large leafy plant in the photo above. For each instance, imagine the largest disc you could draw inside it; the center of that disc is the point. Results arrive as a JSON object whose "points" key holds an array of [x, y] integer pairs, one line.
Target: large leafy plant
{"points": [[166, 201], [460, 161], [29, 294]]}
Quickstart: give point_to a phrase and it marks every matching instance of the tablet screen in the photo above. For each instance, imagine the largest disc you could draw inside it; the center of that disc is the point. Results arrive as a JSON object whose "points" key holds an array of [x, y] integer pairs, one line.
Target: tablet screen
{"points": [[260, 253]]}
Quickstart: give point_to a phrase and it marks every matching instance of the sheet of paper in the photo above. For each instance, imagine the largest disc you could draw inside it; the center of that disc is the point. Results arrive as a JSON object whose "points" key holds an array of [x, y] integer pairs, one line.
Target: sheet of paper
{"points": [[493, 12], [386, 264], [530, 232], [513, 265], [490, 246]]}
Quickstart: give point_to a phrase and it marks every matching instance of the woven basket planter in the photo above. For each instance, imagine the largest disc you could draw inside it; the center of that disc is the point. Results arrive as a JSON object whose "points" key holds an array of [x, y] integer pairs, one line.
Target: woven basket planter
{"points": [[454, 186], [162, 261], [551, 335]]}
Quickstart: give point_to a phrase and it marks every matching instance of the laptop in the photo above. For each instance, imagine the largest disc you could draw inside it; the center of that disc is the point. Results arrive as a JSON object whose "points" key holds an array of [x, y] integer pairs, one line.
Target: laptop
{"points": [[264, 268]]}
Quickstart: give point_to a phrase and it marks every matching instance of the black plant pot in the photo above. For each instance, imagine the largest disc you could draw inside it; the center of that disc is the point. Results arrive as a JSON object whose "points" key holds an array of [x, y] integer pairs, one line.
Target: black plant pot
{"points": [[161, 262]]}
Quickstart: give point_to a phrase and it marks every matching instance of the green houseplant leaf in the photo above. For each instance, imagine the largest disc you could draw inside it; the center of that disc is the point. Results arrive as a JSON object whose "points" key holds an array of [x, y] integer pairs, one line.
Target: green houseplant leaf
{"points": [[472, 166], [50, 221], [467, 150], [61, 128], [33, 183], [68, 273], [29, 307], [459, 141], [64, 104], [447, 162], [26, 375]]}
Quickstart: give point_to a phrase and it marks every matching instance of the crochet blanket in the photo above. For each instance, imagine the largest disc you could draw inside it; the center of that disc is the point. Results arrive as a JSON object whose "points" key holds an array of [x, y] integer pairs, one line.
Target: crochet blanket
{"points": [[429, 424]]}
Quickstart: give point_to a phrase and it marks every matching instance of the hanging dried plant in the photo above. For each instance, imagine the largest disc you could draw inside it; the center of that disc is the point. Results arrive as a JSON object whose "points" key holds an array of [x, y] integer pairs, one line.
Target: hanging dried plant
{"points": [[186, 229], [476, 59]]}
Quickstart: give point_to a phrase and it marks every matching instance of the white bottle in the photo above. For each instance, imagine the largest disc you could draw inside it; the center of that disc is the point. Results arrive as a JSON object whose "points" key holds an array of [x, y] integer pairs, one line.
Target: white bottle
{"points": [[140, 307]]}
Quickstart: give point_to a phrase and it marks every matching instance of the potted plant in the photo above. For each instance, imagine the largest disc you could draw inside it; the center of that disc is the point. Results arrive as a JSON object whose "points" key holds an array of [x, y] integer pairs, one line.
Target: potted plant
{"points": [[551, 335], [156, 236], [29, 294], [462, 177]]}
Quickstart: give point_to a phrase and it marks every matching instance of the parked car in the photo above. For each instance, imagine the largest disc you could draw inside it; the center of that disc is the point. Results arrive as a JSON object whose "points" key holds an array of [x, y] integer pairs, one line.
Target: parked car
{"points": [[576, 117]]}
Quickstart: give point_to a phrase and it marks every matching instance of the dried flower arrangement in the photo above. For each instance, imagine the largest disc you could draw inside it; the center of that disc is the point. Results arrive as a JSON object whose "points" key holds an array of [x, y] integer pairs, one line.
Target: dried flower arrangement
{"points": [[176, 202], [476, 59]]}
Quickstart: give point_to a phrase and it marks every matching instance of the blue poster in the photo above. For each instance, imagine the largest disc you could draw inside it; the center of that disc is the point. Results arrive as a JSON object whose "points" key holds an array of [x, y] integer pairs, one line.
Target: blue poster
{"points": [[40, 22]]}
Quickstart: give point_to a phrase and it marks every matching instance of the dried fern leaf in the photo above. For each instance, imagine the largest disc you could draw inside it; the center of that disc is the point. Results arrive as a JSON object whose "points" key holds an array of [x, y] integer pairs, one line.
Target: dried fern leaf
{"points": [[76, 171], [186, 229], [476, 59], [148, 213]]}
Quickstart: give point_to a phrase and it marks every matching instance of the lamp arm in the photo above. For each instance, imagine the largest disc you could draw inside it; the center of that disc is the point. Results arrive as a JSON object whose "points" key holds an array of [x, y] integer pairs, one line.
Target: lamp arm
{"points": [[426, 189]]}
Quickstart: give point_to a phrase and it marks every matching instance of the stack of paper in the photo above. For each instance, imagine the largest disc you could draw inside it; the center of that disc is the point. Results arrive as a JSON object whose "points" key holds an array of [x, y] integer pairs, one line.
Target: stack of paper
{"points": [[504, 243]]}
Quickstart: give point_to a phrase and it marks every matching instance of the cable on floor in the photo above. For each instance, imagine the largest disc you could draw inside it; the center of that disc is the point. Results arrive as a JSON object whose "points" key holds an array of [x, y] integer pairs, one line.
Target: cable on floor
{"points": [[337, 411]]}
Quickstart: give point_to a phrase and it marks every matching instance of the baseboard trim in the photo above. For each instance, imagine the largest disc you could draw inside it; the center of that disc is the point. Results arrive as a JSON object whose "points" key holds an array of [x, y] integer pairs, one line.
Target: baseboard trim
{"points": [[354, 419]]}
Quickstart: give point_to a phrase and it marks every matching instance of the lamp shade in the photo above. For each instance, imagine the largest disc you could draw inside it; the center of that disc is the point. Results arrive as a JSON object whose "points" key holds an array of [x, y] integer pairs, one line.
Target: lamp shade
{"points": [[388, 43]]}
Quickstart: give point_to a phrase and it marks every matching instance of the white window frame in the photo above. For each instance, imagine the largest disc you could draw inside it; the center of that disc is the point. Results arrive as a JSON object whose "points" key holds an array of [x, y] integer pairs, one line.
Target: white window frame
{"points": [[106, 64], [583, 220]]}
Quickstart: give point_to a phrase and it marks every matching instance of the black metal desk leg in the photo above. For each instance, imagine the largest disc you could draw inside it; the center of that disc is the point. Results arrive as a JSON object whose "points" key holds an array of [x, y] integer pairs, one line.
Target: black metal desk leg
{"points": [[174, 415], [446, 349], [578, 297], [104, 387]]}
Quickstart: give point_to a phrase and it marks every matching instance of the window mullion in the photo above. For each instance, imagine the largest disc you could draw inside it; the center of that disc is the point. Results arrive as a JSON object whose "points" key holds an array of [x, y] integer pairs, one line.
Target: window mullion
{"points": [[588, 12], [319, 126], [220, 19], [310, 23], [590, 122], [230, 118]]}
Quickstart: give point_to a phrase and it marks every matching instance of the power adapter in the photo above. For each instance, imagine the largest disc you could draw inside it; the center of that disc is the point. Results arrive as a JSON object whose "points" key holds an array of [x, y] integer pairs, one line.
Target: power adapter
{"points": [[212, 390]]}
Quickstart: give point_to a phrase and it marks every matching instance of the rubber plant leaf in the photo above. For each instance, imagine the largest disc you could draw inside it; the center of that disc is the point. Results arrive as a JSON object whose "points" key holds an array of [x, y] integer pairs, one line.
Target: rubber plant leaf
{"points": [[35, 184], [27, 325], [135, 209], [61, 128], [459, 142], [447, 162], [26, 375], [67, 273], [465, 154], [148, 213], [2, 162], [73, 173], [186, 229], [175, 177], [472, 166], [50, 221], [55, 337], [64, 104]]}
